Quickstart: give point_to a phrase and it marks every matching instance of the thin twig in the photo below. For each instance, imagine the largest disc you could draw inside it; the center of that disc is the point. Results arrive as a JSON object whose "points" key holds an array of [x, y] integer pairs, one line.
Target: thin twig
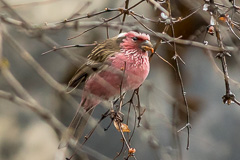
{"points": [[164, 60], [69, 46], [88, 15], [126, 142], [105, 21], [230, 27], [176, 57], [124, 15], [117, 26], [147, 28], [189, 15]]}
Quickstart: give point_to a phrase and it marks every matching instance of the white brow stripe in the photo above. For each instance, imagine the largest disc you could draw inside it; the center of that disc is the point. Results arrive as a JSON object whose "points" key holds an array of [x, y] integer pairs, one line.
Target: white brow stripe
{"points": [[122, 35]]}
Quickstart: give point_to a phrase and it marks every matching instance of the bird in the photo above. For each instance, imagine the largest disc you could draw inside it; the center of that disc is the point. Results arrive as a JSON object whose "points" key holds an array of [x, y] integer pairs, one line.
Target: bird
{"points": [[115, 66]]}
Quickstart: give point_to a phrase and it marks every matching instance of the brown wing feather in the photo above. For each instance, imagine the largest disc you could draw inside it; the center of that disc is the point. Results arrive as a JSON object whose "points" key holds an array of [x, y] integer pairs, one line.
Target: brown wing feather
{"points": [[95, 60], [105, 49]]}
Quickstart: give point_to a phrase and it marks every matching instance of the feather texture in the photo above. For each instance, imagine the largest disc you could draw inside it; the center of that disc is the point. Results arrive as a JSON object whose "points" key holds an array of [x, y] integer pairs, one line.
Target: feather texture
{"points": [[96, 60]]}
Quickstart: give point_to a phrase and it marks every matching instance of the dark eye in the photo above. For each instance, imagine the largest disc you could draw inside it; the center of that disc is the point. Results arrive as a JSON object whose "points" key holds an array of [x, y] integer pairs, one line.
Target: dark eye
{"points": [[135, 38]]}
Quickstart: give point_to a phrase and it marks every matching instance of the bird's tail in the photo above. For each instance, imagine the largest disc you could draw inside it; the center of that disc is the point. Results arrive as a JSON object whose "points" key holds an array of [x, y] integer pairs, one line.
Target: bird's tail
{"points": [[76, 127]]}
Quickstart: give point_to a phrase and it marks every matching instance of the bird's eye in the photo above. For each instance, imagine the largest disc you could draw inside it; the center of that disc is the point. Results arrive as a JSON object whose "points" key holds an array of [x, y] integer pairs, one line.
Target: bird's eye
{"points": [[135, 38]]}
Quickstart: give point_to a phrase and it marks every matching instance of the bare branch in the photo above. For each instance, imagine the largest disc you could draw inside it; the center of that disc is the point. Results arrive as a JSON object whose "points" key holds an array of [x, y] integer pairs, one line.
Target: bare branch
{"points": [[29, 101], [69, 46], [158, 6]]}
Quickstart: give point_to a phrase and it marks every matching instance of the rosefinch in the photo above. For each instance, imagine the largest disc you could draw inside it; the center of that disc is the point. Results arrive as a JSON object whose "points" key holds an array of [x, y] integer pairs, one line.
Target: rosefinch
{"points": [[119, 63]]}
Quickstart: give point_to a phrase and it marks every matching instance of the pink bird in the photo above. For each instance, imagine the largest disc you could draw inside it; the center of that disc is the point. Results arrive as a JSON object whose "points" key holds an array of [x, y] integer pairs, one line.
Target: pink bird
{"points": [[119, 64]]}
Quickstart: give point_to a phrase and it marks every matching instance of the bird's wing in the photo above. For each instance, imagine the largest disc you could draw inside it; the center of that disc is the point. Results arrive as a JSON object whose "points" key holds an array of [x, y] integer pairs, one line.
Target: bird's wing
{"points": [[96, 60]]}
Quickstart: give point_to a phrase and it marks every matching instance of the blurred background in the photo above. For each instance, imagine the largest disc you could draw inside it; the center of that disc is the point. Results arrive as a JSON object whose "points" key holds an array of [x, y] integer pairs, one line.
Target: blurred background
{"points": [[30, 81]]}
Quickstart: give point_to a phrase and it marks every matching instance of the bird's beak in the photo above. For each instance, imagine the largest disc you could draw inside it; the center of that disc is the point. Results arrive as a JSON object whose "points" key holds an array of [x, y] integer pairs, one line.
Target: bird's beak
{"points": [[147, 46]]}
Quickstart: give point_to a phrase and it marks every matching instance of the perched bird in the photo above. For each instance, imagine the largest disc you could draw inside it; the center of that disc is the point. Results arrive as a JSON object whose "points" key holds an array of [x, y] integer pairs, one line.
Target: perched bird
{"points": [[117, 65]]}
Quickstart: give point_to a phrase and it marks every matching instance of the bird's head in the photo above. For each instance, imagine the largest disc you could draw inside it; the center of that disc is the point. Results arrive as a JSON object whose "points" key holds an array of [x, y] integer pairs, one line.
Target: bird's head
{"points": [[137, 41]]}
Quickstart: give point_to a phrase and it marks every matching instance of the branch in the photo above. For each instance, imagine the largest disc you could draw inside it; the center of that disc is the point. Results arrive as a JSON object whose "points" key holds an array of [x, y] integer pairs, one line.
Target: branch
{"points": [[117, 26], [124, 15], [177, 58], [229, 97], [69, 46], [158, 6], [28, 101]]}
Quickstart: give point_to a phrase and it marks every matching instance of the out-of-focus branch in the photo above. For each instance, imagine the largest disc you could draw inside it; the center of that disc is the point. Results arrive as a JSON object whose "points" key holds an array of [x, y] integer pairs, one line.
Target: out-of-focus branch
{"points": [[28, 101], [25, 23], [50, 119], [1, 58], [43, 74], [81, 149], [29, 59], [32, 4]]}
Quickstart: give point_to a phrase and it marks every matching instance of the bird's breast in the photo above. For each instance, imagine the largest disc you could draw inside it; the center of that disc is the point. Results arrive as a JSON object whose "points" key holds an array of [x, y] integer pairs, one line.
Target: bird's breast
{"points": [[125, 72], [135, 67]]}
